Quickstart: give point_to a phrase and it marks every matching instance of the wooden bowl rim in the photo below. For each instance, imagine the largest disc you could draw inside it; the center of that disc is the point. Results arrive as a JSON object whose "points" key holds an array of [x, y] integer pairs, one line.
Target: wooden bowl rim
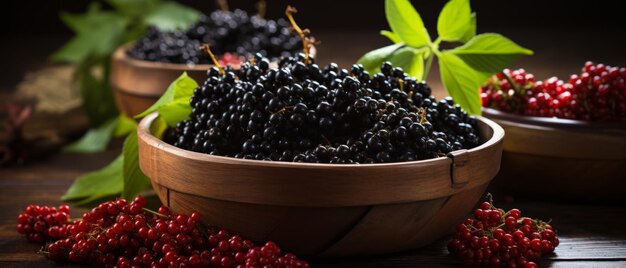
{"points": [[145, 125], [120, 55], [555, 123]]}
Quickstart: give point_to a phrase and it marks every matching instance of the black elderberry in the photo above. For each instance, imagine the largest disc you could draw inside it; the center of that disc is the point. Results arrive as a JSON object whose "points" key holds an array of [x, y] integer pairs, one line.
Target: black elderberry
{"points": [[300, 112]]}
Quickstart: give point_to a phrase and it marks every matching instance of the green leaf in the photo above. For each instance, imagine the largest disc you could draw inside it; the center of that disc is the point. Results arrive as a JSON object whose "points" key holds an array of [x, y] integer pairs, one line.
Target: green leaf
{"points": [[410, 59], [405, 22], [471, 30], [454, 20], [97, 33], [97, 96], [181, 88], [490, 52], [98, 184], [392, 36], [124, 126], [172, 16], [134, 8], [134, 180], [95, 140], [158, 127], [175, 111], [372, 60], [461, 81]]}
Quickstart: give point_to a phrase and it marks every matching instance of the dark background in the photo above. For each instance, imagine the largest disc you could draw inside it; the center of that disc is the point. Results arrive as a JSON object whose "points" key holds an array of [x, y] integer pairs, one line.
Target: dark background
{"points": [[41, 17], [559, 31]]}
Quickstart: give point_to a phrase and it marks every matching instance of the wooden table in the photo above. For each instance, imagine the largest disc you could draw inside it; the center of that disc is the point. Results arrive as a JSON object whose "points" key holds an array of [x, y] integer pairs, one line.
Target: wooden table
{"points": [[592, 234]]}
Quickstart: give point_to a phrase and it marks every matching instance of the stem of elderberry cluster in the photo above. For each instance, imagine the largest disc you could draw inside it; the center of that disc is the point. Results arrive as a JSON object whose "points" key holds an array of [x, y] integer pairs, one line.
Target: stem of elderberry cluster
{"points": [[223, 4], [207, 49], [306, 41], [261, 6]]}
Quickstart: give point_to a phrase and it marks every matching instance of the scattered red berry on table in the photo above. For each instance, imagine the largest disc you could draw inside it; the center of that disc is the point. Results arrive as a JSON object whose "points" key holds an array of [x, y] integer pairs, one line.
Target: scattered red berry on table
{"points": [[122, 234], [495, 237], [598, 93]]}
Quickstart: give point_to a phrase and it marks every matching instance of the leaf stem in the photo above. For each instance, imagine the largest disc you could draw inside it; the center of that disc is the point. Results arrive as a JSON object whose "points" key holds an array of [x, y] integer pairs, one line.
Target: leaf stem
{"points": [[429, 63]]}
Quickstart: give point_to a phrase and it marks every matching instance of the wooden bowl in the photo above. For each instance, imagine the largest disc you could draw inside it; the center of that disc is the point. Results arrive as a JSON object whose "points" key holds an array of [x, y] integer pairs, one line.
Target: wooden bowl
{"points": [[137, 84], [324, 209], [561, 157]]}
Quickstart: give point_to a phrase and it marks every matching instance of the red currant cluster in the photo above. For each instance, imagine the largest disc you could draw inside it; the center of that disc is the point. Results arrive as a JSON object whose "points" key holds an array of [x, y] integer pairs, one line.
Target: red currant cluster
{"points": [[495, 237], [598, 94], [41, 223], [122, 234]]}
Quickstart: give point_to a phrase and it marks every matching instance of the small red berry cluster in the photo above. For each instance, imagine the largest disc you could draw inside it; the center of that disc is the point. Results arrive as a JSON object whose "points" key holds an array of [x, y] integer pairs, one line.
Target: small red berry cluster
{"points": [[42, 223], [122, 234], [597, 94], [495, 237]]}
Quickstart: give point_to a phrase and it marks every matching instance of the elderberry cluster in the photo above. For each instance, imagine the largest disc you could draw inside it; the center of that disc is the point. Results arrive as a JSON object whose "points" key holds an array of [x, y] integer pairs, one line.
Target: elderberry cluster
{"points": [[234, 32], [125, 234], [303, 113]]}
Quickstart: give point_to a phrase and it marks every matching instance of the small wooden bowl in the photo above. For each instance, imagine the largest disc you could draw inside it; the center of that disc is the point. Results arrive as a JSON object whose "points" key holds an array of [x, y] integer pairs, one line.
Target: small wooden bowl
{"points": [[561, 157], [324, 209], [137, 84]]}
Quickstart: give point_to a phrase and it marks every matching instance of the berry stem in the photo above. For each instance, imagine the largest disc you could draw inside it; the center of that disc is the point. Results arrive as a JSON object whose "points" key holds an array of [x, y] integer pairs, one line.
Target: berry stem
{"points": [[306, 41], [261, 7], [156, 213], [207, 49], [223, 4]]}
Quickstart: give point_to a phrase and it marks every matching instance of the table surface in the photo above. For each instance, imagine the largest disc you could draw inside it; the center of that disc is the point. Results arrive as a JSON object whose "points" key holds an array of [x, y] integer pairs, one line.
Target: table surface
{"points": [[592, 234]]}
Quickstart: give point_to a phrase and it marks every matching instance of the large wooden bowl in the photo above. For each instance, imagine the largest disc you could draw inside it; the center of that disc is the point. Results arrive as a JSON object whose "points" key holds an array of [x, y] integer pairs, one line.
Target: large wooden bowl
{"points": [[560, 157], [324, 209]]}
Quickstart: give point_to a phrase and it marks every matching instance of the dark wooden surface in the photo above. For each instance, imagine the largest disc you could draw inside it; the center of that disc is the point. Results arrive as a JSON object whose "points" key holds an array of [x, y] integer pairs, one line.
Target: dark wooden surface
{"points": [[593, 233]]}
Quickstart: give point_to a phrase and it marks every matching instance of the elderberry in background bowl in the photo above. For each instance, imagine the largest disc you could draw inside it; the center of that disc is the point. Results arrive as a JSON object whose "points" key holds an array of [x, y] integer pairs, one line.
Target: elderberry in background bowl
{"points": [[565, 139], [323, 160], [141, 71]]}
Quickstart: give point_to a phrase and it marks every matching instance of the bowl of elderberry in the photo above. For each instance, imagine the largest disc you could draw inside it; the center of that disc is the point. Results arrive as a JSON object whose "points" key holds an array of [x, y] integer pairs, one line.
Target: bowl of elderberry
{"points": [[323, 160], [564, 138], [142, 70]]}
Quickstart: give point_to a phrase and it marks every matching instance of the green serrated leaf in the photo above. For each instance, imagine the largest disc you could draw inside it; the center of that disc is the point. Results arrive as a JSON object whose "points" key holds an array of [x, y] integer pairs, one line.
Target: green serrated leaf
{"points": [[172, 16], [392, 36], [105, 182], [454, 20], [410, 59], [461, 81], [490, 52], [134, 180], [98, 33], [124, 126], [372, 60], [181, 88], [95, 140], [405, 22], [471, 30]]}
